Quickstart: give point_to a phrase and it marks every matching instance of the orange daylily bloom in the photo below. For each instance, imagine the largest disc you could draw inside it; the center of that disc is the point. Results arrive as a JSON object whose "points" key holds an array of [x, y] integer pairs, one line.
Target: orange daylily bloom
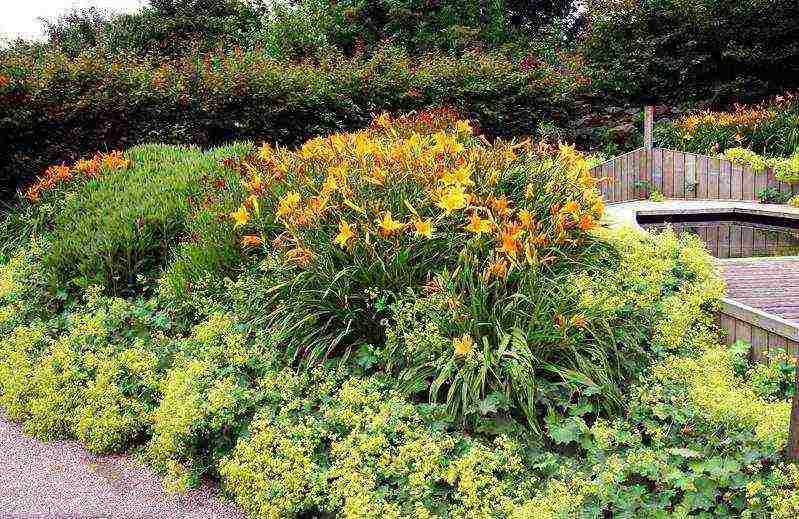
{"points": [[586, 222], [300, 256], [579, 320], [423, 228], [500, 205], [510, 245], [478, 225], [570, 207], [498, 268], [251, 240]]}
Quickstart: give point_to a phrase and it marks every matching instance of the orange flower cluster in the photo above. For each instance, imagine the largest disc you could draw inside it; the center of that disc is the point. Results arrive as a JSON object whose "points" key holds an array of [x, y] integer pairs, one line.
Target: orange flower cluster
{"points": [[392, 185], [742, 118], [83, 168], [4, 80]]}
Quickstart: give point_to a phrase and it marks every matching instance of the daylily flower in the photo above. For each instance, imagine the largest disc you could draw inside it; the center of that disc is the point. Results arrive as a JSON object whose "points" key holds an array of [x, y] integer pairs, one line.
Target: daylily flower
{"points": [[345, 233]]}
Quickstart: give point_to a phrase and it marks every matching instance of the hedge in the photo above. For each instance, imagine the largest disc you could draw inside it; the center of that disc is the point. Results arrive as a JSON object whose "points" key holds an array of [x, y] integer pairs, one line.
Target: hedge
{"points": [[54, 108]]}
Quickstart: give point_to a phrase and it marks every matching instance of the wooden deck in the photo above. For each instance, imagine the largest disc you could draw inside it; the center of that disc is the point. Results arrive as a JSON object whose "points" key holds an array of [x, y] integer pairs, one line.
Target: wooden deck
{"points": [[770, 285]]}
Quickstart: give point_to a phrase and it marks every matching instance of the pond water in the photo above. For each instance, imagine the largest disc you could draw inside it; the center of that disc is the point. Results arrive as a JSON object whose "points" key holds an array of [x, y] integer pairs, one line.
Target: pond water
{"points": [[734, 236]]}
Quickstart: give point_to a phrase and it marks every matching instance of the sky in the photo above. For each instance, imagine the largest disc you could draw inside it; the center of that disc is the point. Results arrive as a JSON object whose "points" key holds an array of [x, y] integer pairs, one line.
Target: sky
{"points": [[19, 17]]}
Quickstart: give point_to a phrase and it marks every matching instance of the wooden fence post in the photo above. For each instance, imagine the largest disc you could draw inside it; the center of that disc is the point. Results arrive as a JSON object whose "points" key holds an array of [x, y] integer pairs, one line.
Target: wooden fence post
{"points": [[649, 123], [793, 435]]}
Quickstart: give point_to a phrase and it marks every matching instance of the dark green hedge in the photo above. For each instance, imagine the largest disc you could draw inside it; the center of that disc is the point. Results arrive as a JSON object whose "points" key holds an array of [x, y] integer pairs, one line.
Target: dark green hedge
{"points": [[716, 50], [54, 108]]}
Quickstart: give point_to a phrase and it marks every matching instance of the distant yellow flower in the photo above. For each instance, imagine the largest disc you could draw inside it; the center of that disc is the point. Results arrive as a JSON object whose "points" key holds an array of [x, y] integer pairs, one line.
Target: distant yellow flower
{"points": [[388, 225], [453, 198], [461, 176], [464, 345], [241, 217], [345, 233], [526, 217], [383, 120], [265, 151], [288, 204], [423, 228], [251, 241], [478, 225], [463, 127], [571, 207]]}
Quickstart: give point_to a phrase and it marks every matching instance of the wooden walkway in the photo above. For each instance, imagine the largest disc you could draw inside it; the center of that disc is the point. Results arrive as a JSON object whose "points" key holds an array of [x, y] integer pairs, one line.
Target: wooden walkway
{"points": [[771, 285]]}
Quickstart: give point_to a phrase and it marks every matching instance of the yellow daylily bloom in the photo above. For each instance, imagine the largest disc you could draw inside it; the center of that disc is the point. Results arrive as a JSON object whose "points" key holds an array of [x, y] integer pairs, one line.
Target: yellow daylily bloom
{"points": [[345, 233], [464, 127], [241, 217], [463, 345], [388, 225], [453, 198]]}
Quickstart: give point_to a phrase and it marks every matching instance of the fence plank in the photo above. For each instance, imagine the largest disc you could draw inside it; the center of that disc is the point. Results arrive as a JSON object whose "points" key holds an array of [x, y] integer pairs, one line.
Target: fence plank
{"points": [[657, 168], [743, 331], [736, 183], [748, 184], [643, 174], [724, 241], [701, 177], [679, 174], [736, 245], [728, 324], [668, 173], [690, 176], [714, 178], [759, 343], [776, 343], [713, 240], [747, 241], [761, 181], [725, 177]]}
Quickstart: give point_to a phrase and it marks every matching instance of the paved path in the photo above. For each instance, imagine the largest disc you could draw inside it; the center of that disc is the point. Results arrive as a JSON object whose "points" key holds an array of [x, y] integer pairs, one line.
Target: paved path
{"points": [[771, 285], [61, 480]]}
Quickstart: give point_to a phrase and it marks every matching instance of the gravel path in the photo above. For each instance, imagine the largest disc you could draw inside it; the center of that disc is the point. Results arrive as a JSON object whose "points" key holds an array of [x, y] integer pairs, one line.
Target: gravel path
{"points": [[61, 480]]}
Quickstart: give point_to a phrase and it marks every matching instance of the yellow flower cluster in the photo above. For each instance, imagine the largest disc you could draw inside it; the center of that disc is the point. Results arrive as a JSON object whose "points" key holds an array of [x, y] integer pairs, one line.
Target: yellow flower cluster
{"points": [[395, 184]]}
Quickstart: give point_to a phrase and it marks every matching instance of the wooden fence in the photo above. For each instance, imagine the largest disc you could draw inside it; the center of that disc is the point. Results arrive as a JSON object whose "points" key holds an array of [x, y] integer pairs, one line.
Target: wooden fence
{"points": [[677, 174]]}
